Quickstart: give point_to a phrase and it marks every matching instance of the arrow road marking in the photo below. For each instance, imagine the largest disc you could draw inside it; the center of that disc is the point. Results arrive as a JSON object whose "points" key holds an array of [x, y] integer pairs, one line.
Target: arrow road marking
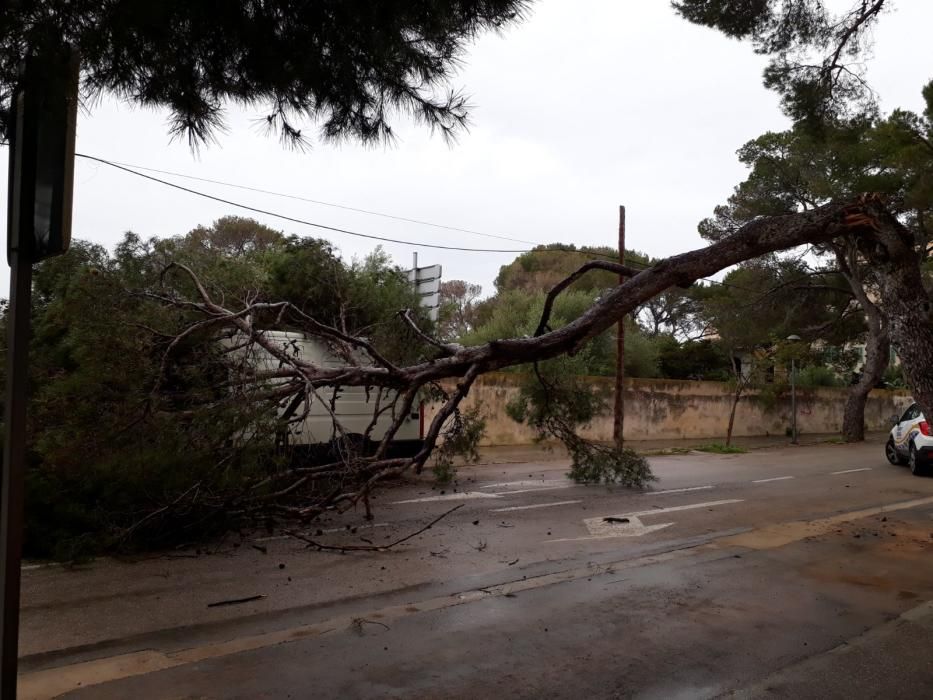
{"points": [[631, 527], [630, 524]]}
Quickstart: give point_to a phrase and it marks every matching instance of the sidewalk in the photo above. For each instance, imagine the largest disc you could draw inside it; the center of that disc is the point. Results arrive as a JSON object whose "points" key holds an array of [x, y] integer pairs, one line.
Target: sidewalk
{"points": [[890, 661], [547, 452]]}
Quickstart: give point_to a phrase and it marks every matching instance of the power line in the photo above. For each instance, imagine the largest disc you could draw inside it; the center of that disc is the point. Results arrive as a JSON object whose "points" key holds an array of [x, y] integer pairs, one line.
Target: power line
{"points": [[345, 207], [385, 239], [130, 169], [293, 219]]}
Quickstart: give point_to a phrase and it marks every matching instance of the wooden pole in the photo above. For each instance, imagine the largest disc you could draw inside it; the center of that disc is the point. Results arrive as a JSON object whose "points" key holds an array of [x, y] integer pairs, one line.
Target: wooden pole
{"points": [[619, 422]]}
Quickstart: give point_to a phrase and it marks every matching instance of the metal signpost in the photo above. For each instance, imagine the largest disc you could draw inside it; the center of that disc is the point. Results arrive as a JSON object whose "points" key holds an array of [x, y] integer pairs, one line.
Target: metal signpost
{"points": [[427, 283], [42, 144]]}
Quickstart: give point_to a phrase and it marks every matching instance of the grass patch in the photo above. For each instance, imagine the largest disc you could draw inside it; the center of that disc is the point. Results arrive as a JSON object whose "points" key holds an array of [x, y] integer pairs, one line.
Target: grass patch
{"points": [[721, 449]]}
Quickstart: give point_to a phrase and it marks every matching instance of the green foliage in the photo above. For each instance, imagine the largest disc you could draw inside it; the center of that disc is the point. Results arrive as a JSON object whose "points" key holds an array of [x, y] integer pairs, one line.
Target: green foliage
{"points": [[346, 67], [460, 439], [816, 375], [814, 49], [556, 394], [556, 404], [121, 427], [720, 448], [696, 359], [641, 354], [444, 471], [894, 377], [595, 464]]}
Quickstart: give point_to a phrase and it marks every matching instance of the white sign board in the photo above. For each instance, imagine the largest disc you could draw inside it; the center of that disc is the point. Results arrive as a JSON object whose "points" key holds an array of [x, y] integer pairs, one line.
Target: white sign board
{"points": [[427, 282]]}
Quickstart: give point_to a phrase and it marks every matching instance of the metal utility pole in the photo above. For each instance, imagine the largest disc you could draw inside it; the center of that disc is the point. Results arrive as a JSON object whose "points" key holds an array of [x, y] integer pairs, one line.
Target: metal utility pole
{"points": [[619, 423], [42, 144]]}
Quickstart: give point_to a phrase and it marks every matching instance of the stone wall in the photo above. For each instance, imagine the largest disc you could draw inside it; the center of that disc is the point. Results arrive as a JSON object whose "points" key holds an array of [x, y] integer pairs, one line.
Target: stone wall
{"points": [[657, 409]]}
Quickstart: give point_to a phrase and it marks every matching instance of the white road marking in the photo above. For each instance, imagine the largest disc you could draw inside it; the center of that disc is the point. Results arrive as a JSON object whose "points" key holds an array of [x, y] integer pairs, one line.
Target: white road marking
{"points": [[849, 471], [774, 478], [600, 529], [365, 526], [526, 482], [691, 506], [546, 488], [465, 496], [537, 505], [692, 488], [633, 527]]}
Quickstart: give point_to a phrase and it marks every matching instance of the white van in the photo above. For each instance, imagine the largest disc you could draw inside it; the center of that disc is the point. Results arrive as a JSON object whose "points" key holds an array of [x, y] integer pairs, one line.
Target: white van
{"points": [[352, 406]]}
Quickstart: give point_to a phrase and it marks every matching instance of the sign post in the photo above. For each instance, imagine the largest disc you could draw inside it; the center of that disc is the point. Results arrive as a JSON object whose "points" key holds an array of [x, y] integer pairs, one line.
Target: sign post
{"points": [[42, 144], [427, 283], [618, 424]]}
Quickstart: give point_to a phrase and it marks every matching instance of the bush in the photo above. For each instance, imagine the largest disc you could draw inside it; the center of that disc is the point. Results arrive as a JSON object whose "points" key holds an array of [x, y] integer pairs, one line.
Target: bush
{"points": [[695, 359], [894, 377], [817, 375]]}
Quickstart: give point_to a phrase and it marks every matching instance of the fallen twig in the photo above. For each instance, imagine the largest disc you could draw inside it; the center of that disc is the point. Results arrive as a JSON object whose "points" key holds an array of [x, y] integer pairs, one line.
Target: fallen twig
{"points": [[235, 601], [369, 548]]}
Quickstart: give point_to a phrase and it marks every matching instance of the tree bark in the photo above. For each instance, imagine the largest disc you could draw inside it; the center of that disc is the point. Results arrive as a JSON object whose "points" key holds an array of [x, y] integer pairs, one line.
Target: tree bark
{"points": [[877, 347], [877, 355], [894, 251], [735, 403]]}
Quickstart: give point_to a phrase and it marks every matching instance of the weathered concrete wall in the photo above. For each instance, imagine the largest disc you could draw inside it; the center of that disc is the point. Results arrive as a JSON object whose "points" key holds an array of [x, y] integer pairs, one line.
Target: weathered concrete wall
{"points": [[674, 409]]}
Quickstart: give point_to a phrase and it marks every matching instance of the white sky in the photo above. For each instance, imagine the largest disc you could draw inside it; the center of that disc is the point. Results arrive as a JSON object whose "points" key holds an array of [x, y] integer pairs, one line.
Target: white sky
{"points": [[584, 106]]}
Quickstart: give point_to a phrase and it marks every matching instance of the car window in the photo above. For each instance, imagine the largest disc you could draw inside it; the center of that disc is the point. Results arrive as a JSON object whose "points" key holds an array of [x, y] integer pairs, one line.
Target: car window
{"points": [[911, 413]]}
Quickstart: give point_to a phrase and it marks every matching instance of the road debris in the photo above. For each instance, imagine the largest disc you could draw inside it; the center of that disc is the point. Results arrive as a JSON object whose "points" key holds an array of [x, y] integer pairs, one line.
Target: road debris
{"points": [[235, 601]]}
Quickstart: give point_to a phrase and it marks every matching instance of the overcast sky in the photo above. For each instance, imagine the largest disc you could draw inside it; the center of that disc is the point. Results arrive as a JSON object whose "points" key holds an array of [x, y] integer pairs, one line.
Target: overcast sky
{"points": [[584, 106]]}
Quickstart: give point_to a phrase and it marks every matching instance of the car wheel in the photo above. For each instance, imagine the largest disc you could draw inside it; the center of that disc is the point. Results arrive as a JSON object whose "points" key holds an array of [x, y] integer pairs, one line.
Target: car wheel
{"points": [[890, 451], [917, 468]]}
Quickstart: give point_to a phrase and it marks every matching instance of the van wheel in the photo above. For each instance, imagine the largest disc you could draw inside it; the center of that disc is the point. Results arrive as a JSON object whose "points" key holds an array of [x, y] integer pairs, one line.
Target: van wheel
{"points": [[892, 454], [916, 467]]}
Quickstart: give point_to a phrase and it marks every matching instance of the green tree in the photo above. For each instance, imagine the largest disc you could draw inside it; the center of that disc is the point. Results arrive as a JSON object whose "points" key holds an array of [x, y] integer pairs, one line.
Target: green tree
{"points": [[814, 49], [346, 66], [458, 305], [797, 171]]}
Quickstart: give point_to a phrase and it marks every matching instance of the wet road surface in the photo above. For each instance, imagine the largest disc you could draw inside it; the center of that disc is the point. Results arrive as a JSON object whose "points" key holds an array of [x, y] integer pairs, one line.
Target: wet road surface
{"points": [[777, 573]]}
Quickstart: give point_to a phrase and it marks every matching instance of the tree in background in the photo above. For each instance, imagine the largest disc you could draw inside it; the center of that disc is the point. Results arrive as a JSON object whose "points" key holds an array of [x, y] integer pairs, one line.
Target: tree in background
{"points": [[457, 313], [796, 171], [758, 306]]}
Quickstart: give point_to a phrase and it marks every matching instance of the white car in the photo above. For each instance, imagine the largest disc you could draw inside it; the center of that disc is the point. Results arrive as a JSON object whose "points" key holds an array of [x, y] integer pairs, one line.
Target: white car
{"points": [[911, 441]]}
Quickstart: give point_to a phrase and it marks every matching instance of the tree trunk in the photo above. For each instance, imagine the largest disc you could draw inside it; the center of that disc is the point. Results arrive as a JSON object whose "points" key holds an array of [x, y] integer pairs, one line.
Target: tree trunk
{"points": [[735, 403], [877, 345], [877, 355], [905, 303]]}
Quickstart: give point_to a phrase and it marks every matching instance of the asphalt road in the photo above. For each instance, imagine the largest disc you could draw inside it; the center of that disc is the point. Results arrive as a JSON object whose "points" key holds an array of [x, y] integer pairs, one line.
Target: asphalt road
{"points": [[792, 572]]}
